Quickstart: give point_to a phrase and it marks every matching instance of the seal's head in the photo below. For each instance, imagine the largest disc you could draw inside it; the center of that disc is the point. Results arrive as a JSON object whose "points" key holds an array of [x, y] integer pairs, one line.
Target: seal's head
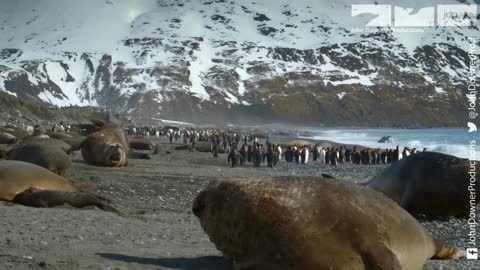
{"points": [[116, 155]]}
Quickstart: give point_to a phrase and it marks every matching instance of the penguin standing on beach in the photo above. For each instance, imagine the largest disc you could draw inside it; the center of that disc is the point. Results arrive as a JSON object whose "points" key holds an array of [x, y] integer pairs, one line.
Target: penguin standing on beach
{"points": [[296, 154], [277, 154], [398, 154], [289, 154], [315, 153], [249, 153], [321, 155], [342, 154], [328, 153], [304, 153], [243, 153], [234, 156], [334, 157], [269, 155], [257, 156]]}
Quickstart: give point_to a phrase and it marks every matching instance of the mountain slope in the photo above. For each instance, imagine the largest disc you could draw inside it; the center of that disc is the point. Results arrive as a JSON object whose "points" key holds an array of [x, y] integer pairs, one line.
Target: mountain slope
{"points": [[235, 61]]}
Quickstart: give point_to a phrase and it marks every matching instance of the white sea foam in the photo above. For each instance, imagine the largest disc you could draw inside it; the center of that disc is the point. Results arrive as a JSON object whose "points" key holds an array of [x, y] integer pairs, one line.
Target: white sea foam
{"points": [[449, 141]]}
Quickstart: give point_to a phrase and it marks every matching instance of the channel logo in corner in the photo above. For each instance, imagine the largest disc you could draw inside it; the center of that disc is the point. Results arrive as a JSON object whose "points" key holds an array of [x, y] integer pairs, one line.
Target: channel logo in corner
{"points": [[472, 253], [471, 127]]}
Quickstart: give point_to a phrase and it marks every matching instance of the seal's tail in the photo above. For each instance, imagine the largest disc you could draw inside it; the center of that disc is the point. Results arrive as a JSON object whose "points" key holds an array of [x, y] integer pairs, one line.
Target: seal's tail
{"points": [[444, 252], [89, 191]]}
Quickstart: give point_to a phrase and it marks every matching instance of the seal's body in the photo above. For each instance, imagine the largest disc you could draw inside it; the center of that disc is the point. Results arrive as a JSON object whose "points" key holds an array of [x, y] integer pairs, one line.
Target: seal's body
{"points": [[312, 223], [50, 158], [59, 135], [35, 197], [106, 147], [32, 185], [7, 138], [428, 183], [18, 176], [50, 142]]}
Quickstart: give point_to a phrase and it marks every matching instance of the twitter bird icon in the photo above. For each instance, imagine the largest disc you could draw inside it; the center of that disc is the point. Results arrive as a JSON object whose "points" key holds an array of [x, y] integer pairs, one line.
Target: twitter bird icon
{"points": [[472, 127]]}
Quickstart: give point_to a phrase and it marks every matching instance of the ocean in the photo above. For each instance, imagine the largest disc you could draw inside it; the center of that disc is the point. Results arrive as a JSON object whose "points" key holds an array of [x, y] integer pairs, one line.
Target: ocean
{"points": [[449, 141]]}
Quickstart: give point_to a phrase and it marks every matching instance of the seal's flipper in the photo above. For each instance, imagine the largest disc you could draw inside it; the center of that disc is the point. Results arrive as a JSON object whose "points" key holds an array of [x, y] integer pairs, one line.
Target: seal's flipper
{"points": [[109, 208], [444, 252], [328, 176], [380, 258]]}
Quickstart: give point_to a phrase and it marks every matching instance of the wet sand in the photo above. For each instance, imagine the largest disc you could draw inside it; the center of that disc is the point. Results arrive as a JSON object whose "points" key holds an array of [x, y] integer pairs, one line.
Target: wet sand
{"points": [[157, 230]]}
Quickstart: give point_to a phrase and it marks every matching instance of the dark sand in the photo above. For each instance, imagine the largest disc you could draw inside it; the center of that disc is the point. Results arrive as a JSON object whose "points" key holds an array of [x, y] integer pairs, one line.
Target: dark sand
{"points": [[158, 230]]}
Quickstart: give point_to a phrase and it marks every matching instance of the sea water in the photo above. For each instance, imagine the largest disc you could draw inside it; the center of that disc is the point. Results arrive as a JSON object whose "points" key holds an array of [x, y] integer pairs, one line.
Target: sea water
{"points": [[455, 142]]}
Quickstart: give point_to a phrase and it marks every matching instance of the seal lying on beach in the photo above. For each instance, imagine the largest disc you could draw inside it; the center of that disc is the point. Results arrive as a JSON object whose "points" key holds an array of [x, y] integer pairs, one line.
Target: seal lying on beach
{"points": [[16, 177], [48, 157], [106, 147], [312, 223], [50, 142], [35, 197], [141, 144], [7, 138], [428, 183], [59, 135], [74, 142]]}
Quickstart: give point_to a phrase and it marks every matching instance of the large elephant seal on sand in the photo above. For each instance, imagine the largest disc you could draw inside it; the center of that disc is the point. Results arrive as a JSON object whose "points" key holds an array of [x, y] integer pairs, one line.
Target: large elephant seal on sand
{"points": [[428, 183], [106, 147], [48, 157], [33, 185], [312, 223]]}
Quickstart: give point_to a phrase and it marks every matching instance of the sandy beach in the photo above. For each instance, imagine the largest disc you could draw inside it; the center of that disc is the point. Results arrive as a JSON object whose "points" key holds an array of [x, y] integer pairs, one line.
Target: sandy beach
{"points": [[157, 230]]}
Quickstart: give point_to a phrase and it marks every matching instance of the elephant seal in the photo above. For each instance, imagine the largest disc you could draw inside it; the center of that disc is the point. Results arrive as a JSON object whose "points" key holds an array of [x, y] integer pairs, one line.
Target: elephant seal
{"points": [[3, 151], [18, 176], [141, 144], [106, 147], [312, 223], [59, 135], [7, 138], [50, 142], [51, 158], [34, 137], [75, 142], [35, 197], [32, 185], [428, 183]]}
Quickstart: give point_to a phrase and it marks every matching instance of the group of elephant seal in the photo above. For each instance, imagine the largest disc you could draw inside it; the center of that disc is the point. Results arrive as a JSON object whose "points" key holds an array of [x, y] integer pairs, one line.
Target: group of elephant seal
{"points": [[312, 223], [429, 184]]}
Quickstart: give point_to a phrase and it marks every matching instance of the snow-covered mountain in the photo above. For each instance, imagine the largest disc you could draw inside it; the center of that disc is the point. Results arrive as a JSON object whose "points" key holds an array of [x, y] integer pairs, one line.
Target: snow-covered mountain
{"points": [[238, 60]]}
